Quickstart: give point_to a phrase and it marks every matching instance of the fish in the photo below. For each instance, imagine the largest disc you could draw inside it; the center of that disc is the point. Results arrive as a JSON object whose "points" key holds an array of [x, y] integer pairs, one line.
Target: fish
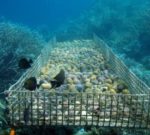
{"points": [[26, 115], [30, 84], [24, 63], [121, 87], [12, 131], [58, 80]]}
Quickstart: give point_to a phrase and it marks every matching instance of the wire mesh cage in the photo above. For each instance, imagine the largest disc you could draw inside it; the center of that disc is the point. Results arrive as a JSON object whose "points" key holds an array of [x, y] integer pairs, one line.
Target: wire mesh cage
{"points": [[79, 109], [75, 109]]}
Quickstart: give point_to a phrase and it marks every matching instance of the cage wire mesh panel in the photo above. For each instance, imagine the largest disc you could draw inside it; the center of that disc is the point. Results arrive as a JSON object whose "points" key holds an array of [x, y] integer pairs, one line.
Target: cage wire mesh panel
{"points": [[34, 71], [136, 85], [79, 109], [75, 109]]}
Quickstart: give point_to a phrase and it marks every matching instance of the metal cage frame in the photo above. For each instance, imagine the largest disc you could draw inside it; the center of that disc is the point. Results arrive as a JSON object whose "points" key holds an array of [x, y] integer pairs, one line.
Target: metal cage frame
{"points": [[70, 109]]}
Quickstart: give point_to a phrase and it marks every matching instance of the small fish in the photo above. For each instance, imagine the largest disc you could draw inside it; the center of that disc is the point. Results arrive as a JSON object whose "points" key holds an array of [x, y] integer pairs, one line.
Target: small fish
{"points": [[121, 87], [25, 63], [26, 115], [30, 84], [12, 131], [58, 79]]}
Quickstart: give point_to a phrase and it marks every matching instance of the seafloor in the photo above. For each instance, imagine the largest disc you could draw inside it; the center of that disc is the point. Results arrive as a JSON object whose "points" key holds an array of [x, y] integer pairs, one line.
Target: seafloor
{"points": [[85, 71]]}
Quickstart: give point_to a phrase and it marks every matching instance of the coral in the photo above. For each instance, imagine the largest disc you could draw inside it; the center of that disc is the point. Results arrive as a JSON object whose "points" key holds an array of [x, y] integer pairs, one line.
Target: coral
{"points": [[44, 71], [112, 91], [71, 87], [19, 38], [123, 25], [3, 113], [88, 85], [93, 77], [69, 80], [80, 87], [16, 41], [81, 132], [4, 132], [125, 91]]}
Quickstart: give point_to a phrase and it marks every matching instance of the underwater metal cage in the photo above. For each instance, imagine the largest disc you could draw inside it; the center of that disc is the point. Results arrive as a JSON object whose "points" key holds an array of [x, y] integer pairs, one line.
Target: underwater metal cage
{"points": [[81, 109]]}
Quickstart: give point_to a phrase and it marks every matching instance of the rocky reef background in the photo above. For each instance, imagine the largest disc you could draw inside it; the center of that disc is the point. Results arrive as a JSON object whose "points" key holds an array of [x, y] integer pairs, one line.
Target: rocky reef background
{"points": [[123, 25], [16, 41]]}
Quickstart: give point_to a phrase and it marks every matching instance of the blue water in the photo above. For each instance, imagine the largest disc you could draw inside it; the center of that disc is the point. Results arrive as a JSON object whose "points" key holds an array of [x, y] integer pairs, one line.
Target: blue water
{"points": [[42, 12], [29, 15]]}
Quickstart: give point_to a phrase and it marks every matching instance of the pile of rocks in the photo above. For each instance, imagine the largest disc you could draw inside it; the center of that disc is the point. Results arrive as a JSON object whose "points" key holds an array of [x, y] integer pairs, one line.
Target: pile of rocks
{"points": [[85, 68], [88, 95]]}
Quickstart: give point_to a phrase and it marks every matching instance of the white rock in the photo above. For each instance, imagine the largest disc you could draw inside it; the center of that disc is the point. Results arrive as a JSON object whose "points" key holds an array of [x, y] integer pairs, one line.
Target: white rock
{"points": [[36, 107], [89, 117], [53, 113], [83, 113], [77, 118], [71, 107], [59, 107], [46, 86], [59, 118], [78, 103]]}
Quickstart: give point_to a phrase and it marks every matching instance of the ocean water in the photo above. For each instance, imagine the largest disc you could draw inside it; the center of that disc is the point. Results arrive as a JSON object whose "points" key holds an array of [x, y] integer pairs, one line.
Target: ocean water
{"points": [[31, 17], [26, 25], [36, 13]]}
